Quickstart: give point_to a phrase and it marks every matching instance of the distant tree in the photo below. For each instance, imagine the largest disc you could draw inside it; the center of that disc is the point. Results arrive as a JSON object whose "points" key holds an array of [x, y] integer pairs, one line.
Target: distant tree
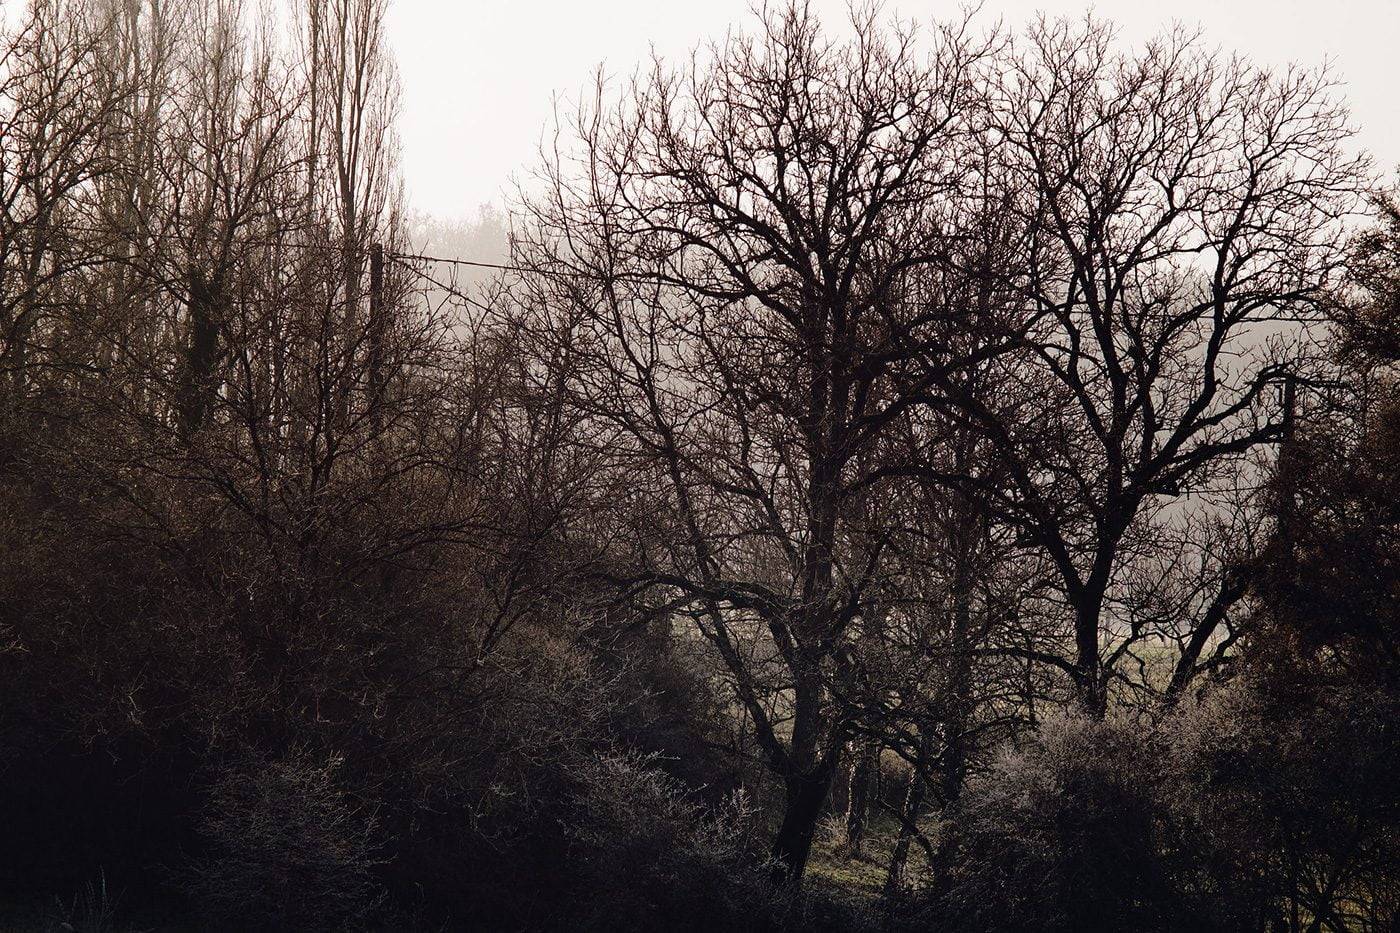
{"points": [[59, 113]]}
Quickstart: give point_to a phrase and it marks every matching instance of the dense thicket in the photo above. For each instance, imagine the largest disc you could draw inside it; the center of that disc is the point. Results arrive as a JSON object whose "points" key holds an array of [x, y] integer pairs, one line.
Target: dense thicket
{"points": [[934, 479]]}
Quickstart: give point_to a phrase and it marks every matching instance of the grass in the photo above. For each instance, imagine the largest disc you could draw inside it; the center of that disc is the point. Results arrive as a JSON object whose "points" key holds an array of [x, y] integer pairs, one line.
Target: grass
{"points": [[859, 877]]}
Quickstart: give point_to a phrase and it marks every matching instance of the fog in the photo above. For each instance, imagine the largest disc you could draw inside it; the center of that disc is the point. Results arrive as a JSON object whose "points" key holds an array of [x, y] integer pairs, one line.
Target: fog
{"points": [[480, 79]]}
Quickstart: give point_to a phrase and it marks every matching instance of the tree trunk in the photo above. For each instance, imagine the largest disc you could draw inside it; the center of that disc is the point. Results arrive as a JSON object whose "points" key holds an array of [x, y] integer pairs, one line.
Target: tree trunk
{"points": [[899, 858], [959, 700], [802, 806], [1093, 693], [858, 797], [202, 353]]}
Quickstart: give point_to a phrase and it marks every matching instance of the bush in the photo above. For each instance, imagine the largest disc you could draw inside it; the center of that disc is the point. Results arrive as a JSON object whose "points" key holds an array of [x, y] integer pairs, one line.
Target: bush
{"points": [[1057, 836], [288, 849], [1277, 799], [644, 856], [1230, 812]]}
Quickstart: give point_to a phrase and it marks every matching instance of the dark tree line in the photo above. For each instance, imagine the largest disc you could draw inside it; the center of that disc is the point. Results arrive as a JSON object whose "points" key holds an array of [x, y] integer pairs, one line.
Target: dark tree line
{"points": [[953, 459]]}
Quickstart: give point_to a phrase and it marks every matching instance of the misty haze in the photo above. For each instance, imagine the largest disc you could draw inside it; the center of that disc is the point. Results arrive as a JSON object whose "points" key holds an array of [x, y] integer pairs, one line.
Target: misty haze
{"points": [[800, 467]]}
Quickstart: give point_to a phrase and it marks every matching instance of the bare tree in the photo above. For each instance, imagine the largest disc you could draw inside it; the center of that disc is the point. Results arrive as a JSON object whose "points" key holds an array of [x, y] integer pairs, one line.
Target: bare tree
{"points": [[57, 117], [1185, 210], [352, 101], [722, 263]]}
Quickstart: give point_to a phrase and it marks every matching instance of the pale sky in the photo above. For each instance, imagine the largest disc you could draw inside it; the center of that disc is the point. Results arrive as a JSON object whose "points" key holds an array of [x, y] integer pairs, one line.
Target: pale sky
{"points": [[479, 76]]}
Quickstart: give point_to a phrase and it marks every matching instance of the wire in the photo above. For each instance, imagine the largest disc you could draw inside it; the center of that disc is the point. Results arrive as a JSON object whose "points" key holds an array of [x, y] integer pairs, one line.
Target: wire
{"points": [[406, 259], [450, 289], [456, 261]]}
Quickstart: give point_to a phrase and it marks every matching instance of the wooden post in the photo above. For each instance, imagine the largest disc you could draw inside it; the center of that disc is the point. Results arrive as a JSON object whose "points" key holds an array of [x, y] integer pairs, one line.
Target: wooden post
{"points": [[376, 332], [1287, 465]]}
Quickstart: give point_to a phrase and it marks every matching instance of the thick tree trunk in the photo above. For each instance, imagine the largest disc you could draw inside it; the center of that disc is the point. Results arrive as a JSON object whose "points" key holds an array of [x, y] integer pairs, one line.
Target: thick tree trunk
{"points": [[805, 796], [1093, 693], [807, 771], [201, 355]]}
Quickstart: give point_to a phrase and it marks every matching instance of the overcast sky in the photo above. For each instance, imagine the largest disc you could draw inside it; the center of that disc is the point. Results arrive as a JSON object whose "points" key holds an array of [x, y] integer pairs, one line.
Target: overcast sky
{"points": [[479, 76]]}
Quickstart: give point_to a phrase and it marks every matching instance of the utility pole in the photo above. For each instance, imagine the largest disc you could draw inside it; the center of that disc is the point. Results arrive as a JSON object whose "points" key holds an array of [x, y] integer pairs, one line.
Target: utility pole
{"points": [[376, 332], [1287, 467], [1287, 477]]}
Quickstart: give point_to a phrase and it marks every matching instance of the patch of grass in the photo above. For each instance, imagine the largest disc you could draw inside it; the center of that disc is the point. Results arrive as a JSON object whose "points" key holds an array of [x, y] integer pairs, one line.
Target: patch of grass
{"points": [[861, 877]]}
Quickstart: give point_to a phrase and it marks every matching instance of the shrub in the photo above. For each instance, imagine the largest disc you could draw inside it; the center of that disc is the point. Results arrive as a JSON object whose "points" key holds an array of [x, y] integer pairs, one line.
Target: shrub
{"points": [[1057, 836], [644, 856], [288, 849]]}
